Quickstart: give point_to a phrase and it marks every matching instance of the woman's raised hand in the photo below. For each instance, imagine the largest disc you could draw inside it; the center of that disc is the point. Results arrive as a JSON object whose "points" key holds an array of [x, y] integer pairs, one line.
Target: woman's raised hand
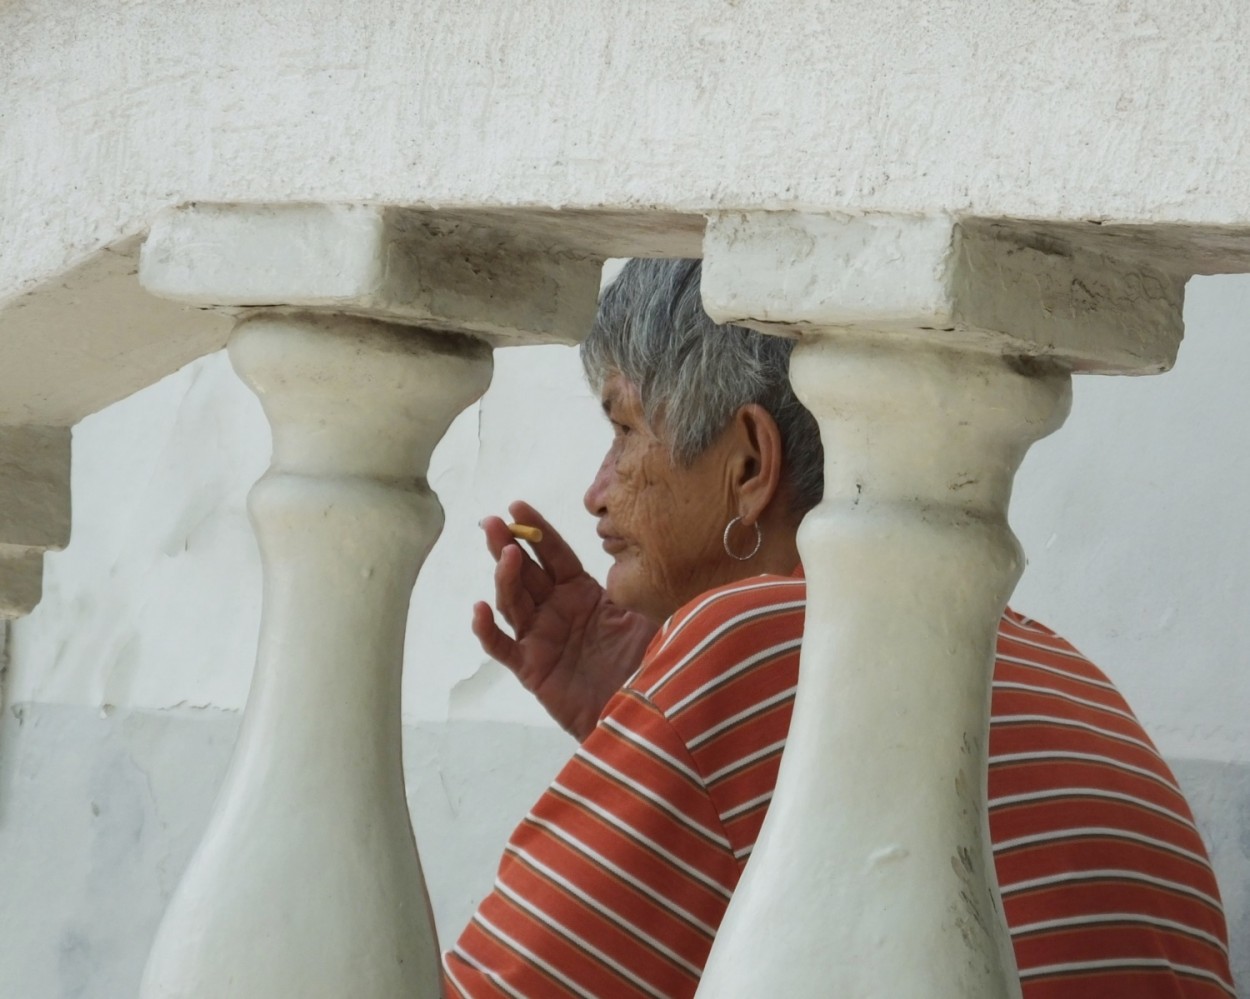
{"points": [[571, 647]]}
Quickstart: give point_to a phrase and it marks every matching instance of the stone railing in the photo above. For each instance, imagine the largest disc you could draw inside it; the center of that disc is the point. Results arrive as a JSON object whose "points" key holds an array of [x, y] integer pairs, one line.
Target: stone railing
{"points": [[933, 353]]}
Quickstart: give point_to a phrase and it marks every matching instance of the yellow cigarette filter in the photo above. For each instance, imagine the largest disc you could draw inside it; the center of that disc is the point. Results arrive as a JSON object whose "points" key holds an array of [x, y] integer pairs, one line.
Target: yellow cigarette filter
{"points": [[526, 533]]}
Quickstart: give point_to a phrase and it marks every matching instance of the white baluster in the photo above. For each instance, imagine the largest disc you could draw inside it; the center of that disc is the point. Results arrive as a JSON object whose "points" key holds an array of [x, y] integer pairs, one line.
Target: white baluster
{"points": [[872, 876], [307, 882]]}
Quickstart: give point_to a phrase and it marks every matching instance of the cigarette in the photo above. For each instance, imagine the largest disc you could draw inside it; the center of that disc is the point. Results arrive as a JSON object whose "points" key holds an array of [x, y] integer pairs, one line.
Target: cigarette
{"points": [[526, 533]]}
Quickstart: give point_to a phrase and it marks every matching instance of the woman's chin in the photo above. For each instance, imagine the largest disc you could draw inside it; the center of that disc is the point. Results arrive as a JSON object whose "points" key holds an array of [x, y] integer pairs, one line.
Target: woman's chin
{"points": [[624, 588], [616, 583]]}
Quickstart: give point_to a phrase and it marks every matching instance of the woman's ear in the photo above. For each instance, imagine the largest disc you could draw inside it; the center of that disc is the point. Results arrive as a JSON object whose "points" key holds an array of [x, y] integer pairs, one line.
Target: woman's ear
{"points": [[757, 467]]}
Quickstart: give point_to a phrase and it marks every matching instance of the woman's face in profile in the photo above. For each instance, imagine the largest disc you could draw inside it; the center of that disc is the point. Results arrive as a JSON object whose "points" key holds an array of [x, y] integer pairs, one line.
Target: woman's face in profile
{"points": [[660, 522]]}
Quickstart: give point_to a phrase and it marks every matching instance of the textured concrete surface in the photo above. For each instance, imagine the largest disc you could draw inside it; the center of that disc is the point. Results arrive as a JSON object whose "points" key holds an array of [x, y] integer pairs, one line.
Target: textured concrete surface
{"points": [[996, 108]]}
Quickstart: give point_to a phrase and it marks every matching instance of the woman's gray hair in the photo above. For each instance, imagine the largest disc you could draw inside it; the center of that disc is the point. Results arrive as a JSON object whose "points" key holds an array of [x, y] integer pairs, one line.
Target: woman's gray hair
{"points": [[693, 375]]}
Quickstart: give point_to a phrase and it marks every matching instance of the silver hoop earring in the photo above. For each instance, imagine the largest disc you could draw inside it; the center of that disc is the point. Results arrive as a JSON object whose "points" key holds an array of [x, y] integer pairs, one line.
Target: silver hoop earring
{"points": [[759, 540]]}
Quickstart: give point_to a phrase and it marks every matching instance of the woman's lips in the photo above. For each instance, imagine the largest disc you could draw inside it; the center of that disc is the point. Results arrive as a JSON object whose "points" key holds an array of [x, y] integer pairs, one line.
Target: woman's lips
{"points": [[612, 544]]}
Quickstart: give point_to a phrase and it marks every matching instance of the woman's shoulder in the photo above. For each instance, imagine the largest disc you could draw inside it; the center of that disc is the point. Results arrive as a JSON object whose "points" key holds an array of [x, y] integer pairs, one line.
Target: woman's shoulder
{"points": [[734, 603], [724, 630], [1024, 642]]}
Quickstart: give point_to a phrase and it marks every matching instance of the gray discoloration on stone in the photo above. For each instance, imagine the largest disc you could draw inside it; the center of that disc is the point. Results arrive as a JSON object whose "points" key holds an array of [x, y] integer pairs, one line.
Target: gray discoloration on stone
{"points": [[34, 510], [1064, 299]]}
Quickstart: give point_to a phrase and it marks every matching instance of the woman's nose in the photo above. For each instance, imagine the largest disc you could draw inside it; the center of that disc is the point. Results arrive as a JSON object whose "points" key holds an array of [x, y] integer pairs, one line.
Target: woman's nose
{"points": [[595, 498]]}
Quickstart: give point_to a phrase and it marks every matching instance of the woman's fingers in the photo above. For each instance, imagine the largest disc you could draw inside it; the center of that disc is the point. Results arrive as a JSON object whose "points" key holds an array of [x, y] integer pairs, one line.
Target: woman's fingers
{"points": [[531, 575], [498, 537], [553, 551], [512, 598], [494, 642]]}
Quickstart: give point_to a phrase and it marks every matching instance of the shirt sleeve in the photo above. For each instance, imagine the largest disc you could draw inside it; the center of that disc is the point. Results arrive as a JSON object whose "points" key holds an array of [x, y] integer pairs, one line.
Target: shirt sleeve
{"points": [[613, 884]]}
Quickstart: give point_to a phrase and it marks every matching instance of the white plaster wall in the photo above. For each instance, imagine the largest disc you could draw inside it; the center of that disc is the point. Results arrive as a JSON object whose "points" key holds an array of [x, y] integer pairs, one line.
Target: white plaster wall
{"points": [[1135, 523], [124, 686]]}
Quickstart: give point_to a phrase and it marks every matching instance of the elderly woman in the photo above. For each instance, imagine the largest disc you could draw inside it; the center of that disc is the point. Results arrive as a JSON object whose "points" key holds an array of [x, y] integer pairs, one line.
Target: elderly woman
{"points": [[678, 675]]}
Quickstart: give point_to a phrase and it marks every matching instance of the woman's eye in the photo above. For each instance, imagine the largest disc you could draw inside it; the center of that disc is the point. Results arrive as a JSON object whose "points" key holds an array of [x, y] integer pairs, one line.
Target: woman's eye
{"points": [[620, 429]]}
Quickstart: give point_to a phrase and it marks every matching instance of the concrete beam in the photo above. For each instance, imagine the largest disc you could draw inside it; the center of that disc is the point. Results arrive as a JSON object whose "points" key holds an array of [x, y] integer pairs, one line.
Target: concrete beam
{"points": [[1000, 287], [90, 336], [453, 274]]}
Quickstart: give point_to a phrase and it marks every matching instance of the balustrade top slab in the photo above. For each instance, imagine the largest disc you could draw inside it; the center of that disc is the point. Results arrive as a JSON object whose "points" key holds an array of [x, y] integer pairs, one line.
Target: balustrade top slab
{"points": [[641, 118]]}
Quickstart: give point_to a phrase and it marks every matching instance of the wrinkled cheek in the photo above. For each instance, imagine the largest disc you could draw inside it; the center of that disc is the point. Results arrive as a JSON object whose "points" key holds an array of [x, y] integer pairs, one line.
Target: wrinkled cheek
{"points": [[669, 575]]}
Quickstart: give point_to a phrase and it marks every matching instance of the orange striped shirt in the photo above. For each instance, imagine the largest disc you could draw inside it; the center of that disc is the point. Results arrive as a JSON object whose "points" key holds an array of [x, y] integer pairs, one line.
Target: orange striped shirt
{"points": [[614, 884]]}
